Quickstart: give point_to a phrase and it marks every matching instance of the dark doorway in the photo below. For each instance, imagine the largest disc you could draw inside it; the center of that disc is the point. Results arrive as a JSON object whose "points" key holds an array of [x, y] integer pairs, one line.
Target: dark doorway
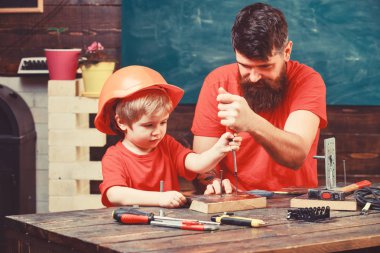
{"points": [[17, 156]]}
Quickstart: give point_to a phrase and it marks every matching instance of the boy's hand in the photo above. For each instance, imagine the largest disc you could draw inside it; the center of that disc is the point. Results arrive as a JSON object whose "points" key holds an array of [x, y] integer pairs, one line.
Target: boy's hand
{"points": [[172, 199], [214, 187], [228, 142]]}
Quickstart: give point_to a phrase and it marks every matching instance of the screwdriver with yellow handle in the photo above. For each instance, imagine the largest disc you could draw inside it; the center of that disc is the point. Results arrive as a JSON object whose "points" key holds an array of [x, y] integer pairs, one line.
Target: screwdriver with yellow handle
{"points": [[231, 219]]}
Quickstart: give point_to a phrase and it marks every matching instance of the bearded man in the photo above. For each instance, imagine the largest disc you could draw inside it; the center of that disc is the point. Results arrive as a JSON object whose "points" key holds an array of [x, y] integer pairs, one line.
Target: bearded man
{"points": [[277, 106]]}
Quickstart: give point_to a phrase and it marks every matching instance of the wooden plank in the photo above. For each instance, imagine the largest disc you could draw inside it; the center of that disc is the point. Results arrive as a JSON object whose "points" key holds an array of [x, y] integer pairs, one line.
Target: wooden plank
{"points": [[79, 137], [352, 230], [354, 143], [27, 35], [226, 203], [281, 237], [353, 119], [68, 153], [66, 88], [90, 170], [68, 120], [62, 187], [62, 153], [302, 201], [82, 120], [181, 118], [83, 187], [72, 104], [79, 202], [62, 120]]}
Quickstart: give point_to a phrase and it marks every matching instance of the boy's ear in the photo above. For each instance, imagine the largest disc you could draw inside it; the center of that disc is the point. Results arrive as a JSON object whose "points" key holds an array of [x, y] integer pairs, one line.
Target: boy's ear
{"points": [[120, 124]]}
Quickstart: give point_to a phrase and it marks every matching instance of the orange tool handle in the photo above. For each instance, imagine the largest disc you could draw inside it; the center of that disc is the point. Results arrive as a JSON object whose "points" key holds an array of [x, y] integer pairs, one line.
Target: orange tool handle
{"points": [[358, 185], [199, 227], [133, 219]]}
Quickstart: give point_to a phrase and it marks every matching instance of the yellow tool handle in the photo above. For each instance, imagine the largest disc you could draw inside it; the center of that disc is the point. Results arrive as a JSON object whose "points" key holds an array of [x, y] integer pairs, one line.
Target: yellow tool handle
{"points": [[239, 221]]}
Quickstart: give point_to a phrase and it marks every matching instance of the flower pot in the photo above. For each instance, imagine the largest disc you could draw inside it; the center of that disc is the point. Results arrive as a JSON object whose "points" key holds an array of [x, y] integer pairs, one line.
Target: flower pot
{"points": [[94, 76], [62, 63]]}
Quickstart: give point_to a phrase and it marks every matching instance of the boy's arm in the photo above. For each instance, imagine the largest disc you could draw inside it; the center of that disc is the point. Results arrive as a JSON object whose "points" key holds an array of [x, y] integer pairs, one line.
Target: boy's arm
{"points": [[208, 159], [121, 195]]}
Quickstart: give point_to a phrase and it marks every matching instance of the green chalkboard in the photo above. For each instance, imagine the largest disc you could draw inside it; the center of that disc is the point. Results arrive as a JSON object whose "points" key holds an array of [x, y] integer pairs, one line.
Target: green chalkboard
{"points": [[185, 39]]}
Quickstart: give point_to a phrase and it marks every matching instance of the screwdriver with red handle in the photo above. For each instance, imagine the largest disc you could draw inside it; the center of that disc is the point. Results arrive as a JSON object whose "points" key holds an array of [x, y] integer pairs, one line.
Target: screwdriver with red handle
{"points": [[133, 216]]}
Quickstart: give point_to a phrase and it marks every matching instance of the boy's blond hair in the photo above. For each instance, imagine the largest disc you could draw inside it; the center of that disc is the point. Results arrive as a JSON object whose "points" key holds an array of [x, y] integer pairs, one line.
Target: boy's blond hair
{"points": [[147, 103]]}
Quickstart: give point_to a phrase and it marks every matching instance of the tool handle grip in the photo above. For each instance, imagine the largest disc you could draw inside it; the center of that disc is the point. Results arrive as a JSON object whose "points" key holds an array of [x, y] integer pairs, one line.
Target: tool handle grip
{"points": [[198, 227], [358, 185], [133, 211], [239, 221], [132, 219], [235, 221]]}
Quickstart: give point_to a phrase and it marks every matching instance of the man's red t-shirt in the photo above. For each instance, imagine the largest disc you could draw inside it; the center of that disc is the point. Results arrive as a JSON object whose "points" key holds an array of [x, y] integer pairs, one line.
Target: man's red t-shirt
{"points": [[256, 169], [121, 167]]}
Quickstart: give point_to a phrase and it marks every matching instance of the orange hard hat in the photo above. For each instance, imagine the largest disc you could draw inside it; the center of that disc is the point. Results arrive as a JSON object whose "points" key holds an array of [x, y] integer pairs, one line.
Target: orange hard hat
{"points": [[124, 83]]}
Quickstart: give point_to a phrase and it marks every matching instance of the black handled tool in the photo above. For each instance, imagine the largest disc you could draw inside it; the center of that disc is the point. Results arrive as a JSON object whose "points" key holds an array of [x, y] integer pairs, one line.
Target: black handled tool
{"points": [[230, 219]]}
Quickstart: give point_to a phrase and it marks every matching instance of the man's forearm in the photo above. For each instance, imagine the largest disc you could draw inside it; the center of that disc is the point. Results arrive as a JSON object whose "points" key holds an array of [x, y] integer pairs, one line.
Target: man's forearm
{"points": [[287, 149]]}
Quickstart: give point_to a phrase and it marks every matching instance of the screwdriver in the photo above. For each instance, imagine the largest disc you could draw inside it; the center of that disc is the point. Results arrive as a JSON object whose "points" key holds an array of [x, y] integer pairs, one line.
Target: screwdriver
{"points": [[235, 170], [230, 219], [235, 166], [133, 216]]}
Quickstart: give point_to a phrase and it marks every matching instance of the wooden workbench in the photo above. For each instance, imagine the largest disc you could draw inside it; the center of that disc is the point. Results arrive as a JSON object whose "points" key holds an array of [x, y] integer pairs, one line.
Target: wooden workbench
{"points": [[95, 231]]}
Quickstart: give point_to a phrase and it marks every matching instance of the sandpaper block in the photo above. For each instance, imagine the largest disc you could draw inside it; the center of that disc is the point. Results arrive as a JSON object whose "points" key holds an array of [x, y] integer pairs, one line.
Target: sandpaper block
{"points": [[226, 202], [349, 204]]}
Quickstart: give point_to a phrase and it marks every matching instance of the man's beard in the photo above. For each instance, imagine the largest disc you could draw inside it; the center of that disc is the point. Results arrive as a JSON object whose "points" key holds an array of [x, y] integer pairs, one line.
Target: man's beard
{"points": [[265, 95]]}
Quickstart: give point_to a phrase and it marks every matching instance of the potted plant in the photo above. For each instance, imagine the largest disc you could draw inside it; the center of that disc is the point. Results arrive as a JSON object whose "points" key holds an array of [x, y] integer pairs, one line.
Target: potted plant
{"points": [[62, 63], [96, 66]]}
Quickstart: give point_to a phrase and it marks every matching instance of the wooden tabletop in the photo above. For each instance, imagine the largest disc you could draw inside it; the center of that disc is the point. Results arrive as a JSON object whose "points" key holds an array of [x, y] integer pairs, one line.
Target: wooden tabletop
{"points": [[96, 231]]}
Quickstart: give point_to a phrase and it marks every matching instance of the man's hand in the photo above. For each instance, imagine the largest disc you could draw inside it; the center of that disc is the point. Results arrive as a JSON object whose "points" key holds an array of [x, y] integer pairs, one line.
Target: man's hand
{"points": [[214, 187], [234, 111], [172, 199]]}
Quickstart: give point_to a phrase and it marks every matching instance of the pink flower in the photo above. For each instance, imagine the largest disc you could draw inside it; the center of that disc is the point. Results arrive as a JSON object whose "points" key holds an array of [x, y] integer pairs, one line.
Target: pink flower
{"points": [[95, 46]]}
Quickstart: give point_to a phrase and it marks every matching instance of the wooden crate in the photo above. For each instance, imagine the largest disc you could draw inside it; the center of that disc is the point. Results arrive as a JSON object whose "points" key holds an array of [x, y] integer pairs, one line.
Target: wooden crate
{"points": [[70, 139]]}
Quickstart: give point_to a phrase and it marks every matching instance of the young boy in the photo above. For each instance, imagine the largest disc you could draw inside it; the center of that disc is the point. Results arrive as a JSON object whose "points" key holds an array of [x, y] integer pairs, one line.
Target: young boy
{"points": [[135, 103]]}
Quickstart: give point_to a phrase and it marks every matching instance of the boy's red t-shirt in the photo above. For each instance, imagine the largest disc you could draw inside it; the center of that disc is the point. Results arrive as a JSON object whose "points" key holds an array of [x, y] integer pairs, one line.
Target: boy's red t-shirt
{"points": [[121, 167], [256, 169]]}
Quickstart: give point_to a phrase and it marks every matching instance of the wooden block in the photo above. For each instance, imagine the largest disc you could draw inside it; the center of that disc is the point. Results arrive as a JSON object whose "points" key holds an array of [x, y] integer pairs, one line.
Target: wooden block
{"points": [[302, 201], [79, 202], [62, 88], [79, 137], [73, 104], [226, 203], [88, 170]]}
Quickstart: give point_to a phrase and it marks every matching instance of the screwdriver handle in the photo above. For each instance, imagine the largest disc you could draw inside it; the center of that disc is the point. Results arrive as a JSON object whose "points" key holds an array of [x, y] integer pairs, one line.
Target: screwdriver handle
{"points": [[238, 221], [133, 219], [116, 214]]}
